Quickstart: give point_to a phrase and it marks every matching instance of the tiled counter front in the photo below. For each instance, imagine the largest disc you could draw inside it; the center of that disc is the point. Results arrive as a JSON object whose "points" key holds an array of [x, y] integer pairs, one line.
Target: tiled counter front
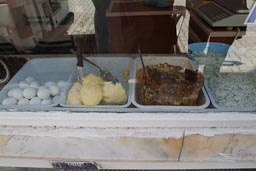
{"points": [[145, 148], [95, 149], [225, 147], [205, 145], [130, 141]]}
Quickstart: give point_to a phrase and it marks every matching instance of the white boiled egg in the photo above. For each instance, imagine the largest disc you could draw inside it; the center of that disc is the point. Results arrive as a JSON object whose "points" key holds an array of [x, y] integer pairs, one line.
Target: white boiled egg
{"points": [[23, 84], [55, 90], [43, 93], [35, 84], [35, 101], [17, 93], [43, 87], [9, 101], [61, 84], [46, 101], [29, 92], [50, 83], [23, 101], [29, 79], [10, 92], [56, 99]]}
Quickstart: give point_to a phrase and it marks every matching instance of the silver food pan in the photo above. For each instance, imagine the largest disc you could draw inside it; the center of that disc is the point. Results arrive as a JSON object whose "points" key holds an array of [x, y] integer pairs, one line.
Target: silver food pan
{"points": [[203, 99], [42, 70], [117, 66]]}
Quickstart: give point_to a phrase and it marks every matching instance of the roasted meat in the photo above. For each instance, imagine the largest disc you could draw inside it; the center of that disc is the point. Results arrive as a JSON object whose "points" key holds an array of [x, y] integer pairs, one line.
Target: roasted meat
{"points": [[168, 85]]}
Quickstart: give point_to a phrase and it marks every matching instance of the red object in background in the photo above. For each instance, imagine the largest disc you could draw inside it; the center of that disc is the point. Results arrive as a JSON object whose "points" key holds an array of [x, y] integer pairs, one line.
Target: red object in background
{"points": [[133, 25]]}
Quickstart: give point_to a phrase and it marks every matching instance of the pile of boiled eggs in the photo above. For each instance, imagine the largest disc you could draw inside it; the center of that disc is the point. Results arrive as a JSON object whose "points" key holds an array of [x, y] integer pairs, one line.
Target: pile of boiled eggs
{"points": [[31, 92]]}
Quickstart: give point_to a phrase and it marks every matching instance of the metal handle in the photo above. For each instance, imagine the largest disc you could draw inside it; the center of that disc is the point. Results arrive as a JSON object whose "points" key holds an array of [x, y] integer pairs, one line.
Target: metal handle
{"points": [[145, 75], [79, 51], [141, 59], [87, 60]]}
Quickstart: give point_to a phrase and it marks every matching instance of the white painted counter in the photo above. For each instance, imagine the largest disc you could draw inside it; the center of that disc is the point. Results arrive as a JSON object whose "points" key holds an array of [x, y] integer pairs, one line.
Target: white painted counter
{"points": [[129, 140]]}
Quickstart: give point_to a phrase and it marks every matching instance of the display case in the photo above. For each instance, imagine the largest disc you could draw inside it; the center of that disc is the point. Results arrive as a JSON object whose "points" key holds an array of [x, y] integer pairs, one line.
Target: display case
{"points": [[86, 103]]}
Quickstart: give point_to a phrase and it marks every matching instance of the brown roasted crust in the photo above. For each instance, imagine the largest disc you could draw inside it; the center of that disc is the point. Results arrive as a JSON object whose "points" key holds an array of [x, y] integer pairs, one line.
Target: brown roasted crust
{"points": [[168, 85]]}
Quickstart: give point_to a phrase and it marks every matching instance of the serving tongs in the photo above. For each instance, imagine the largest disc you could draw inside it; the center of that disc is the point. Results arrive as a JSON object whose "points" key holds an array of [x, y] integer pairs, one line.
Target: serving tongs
{"points": [[106, 75]]}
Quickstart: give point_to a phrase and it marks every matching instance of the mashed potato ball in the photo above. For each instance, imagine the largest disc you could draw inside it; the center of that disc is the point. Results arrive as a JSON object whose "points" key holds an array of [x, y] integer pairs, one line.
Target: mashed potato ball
{"points": [[114, 94], [92, 79], [74, 97], [91, 94]]}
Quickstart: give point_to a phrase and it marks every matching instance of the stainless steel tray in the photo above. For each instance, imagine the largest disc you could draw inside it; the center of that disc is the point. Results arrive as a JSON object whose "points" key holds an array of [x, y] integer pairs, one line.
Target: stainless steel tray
{"points": [[217, 104], [203, 100], [117, 66], [43, 70]]}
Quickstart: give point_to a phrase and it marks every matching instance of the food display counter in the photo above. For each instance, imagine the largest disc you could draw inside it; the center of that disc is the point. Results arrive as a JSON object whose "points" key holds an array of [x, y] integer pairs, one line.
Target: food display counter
{"points": [[129, 140], [127, 137], [194, 110]]}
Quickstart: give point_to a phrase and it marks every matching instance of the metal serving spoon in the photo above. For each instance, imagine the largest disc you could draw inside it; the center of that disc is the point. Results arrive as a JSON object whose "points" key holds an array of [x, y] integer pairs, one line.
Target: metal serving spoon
{"points": [[106, 75]]}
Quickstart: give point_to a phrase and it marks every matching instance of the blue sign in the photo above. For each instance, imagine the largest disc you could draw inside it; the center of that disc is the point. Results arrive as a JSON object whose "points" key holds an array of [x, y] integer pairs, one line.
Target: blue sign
{"points": [[251, 19]]}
